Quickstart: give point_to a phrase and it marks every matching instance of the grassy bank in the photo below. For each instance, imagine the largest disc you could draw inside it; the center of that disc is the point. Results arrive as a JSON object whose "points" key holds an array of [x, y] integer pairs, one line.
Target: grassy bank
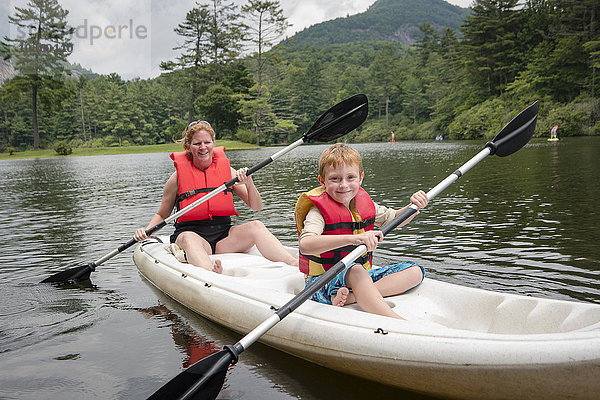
{"points": [[96, 151]]}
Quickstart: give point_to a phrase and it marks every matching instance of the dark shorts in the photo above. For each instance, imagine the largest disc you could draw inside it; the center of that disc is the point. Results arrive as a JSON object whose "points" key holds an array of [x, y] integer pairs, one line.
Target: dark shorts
{"points": [[210, 230]]}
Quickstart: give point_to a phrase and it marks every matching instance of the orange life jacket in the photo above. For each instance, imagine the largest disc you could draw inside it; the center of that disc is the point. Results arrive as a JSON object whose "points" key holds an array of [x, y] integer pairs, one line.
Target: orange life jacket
{"points": [[339, 220], [193, 183]]}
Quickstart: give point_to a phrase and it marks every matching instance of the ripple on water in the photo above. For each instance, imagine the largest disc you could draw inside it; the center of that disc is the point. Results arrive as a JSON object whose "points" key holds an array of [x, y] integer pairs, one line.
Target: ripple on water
{"points": [[33, 313]]}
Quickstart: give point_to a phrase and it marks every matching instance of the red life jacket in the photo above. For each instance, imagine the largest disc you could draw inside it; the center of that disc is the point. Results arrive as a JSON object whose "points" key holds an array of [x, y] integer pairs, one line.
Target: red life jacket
{"points": [[339, 220], [193, 183]]}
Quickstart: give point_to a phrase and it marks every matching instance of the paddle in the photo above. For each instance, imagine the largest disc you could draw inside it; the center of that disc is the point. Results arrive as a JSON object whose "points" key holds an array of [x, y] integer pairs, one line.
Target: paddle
{"points": [[334, 123], [204, 379]]}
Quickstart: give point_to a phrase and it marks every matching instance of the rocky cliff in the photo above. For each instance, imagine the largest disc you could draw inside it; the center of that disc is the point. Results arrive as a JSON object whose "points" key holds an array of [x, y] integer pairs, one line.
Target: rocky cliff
{"points": [[6, 71]]}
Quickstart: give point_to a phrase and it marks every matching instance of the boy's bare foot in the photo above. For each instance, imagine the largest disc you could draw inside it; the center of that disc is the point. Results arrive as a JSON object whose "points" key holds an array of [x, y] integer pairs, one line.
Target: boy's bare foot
{"points": [[340, 298]]}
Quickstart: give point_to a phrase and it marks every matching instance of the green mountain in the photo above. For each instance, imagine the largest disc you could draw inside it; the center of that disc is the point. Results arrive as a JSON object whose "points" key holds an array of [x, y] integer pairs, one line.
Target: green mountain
{"points": [[389, 20]]}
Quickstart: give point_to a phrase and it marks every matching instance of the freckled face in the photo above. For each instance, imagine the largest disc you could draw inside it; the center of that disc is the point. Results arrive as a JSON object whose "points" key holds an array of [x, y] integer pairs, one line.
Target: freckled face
{"points": [[342, 182], [201, 147]]}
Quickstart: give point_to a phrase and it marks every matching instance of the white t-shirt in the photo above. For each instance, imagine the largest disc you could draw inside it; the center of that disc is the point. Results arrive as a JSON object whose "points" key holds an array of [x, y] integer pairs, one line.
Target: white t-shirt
{"points": [[314, 223]]}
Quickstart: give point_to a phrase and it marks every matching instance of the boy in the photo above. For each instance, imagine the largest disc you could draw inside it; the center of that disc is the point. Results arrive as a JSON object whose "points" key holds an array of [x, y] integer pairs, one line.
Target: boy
{"points": [[335, 217]]}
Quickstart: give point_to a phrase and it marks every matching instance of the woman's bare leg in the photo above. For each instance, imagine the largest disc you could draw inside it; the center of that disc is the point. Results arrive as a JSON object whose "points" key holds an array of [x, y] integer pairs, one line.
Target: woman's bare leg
{"points": [[242, 237], [197, 250]]}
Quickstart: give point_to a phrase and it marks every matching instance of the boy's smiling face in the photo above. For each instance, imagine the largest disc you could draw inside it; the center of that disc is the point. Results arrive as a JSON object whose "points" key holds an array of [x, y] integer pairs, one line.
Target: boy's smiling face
{"points": [[342, 182]]}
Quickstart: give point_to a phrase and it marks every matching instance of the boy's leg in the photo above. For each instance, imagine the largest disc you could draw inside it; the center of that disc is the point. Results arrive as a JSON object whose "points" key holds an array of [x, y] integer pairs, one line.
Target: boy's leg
{"points": [[399, 282], [395, 283], [366, 293], [242, 237]]}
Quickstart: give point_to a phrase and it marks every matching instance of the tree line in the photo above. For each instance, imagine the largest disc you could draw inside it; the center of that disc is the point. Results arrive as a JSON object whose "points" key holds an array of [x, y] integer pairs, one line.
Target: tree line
{"points": [[460, 86]]}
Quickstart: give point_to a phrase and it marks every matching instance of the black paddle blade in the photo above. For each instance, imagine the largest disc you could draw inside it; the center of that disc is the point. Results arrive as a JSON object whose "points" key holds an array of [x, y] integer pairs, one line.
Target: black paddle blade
{"points": [[71, 275], [340, 119], [516, 133], [203, 380]]}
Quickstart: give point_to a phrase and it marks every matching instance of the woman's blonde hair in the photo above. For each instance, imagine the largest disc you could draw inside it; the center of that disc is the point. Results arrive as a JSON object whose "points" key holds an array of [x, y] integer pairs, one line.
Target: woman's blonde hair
{"points": [[339, 154], [191, 129]]}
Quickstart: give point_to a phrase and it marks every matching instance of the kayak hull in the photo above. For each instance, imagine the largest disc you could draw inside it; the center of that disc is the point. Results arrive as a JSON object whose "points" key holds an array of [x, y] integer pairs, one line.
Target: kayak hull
{"points": [[458, 342]]}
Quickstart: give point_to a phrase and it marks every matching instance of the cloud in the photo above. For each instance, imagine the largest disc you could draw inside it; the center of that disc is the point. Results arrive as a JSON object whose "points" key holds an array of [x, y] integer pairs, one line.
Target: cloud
{"points": [[4, 13], [304, 13], [112, 36], [132, 37]]}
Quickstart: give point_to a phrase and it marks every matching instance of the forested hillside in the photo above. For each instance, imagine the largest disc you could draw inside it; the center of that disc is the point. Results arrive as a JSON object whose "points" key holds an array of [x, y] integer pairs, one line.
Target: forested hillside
{"points": [[389, 20], [460, 86]]}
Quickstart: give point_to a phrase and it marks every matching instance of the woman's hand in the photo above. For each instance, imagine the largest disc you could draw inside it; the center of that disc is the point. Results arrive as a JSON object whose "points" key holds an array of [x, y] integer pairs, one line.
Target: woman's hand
{"points": [[245, 189], [242, 177], [140, 234]]}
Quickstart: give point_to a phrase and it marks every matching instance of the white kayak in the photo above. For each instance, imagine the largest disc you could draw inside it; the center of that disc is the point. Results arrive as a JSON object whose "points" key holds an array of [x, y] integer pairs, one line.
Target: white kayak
{"points": [[457, 342]]}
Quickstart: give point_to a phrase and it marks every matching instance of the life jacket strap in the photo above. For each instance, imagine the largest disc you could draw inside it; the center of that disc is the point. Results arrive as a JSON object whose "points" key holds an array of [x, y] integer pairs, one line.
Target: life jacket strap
{"points": [[354, 226], [194, 192], [337, 256]]}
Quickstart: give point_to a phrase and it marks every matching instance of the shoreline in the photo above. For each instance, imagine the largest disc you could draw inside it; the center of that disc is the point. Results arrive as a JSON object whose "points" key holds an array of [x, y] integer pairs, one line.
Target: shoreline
{"points": [[229, 145], [101, 151]]}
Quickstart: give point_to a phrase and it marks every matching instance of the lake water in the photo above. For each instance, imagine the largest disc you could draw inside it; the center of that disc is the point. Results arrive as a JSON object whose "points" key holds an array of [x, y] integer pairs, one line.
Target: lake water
{"points": [[526, 224]]}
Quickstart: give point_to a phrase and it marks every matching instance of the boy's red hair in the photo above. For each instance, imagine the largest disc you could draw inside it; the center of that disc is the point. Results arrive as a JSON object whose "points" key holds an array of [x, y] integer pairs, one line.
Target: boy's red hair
{"points": [[339, 154]]}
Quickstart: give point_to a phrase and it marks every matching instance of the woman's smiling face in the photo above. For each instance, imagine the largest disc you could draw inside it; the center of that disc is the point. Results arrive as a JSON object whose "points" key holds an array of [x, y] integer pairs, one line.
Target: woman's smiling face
{"points": [[342, 182], [201, 148]]}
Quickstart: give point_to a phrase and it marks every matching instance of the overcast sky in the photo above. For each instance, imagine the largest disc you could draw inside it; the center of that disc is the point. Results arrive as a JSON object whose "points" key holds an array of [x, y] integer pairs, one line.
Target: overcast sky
{"points": [[132, 37]]}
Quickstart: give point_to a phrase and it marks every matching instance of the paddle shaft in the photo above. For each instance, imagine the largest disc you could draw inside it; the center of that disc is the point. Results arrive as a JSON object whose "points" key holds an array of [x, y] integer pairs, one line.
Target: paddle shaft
{"points": [[510, 139], [305, 138], [201, 200], [437, 189], [317, 284], [254, 335]]}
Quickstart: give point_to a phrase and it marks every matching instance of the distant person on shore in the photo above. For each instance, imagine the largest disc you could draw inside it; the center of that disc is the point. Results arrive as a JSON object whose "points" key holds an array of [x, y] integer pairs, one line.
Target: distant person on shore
{"points": [[337, 216], [207, 228]]}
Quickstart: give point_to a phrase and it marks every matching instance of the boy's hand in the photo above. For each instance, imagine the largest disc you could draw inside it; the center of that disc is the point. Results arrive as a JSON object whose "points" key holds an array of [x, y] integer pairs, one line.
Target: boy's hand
{"points": [[369, 239], [419, 199]]}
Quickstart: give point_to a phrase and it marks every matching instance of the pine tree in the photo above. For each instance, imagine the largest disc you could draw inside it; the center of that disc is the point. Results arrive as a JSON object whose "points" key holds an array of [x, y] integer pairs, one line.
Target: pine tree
{"points": [[267, 25], [385, 79], [579, 19], [489, 45], [39, 52], [226, 32], [195, 30], [212, 38]]}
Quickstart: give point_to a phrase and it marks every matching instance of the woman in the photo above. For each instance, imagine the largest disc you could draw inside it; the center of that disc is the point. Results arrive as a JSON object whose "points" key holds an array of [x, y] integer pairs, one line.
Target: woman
{"points": [[207, 228]]}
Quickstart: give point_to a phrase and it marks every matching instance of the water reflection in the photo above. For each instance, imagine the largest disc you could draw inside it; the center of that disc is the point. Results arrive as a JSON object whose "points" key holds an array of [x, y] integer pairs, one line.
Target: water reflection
{"points": [[194, 346], [261, 372]]}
